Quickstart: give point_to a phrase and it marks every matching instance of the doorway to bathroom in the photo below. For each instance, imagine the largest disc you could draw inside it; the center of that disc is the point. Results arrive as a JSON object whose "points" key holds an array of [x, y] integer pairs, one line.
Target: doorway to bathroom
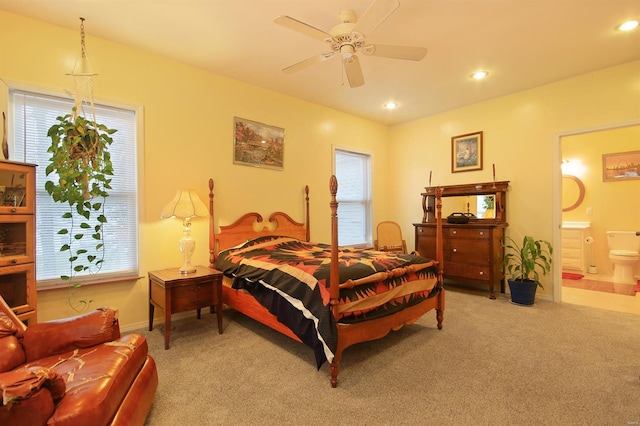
{"points": [[590, 205]]}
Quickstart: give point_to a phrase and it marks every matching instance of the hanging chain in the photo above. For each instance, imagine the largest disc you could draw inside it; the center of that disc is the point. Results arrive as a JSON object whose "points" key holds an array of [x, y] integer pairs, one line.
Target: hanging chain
{"points": [[83, 50]]}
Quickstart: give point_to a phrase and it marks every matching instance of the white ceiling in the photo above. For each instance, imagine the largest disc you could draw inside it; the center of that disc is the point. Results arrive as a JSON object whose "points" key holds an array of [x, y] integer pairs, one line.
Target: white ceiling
{"points": [[522, 43]]}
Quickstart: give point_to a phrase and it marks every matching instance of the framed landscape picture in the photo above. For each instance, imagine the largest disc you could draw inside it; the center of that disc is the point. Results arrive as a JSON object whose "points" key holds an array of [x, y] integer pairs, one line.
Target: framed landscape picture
{"points": [[257, 144], [466, 152], [621, 166]]}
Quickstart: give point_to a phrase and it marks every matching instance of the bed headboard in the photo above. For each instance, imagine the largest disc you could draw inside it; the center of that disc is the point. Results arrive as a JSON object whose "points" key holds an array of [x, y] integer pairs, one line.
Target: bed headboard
{"points": [[250, 225]]}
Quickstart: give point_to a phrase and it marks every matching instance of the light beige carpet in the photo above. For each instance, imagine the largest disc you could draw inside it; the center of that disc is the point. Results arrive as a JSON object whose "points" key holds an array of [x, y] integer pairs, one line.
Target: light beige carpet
{"points": [[493, 363]]}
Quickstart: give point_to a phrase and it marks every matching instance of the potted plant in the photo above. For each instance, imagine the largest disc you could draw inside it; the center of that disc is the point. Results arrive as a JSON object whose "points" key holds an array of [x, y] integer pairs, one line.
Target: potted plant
{"points": [[524, 264], [81, 162]]}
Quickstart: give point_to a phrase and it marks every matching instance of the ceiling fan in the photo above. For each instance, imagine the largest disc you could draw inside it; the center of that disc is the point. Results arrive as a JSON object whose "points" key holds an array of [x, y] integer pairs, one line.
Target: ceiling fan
{"points": [[348, 38]]}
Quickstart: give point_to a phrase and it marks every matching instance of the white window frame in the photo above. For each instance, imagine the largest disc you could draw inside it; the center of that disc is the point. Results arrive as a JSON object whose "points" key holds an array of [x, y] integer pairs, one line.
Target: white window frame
{"points": [[365, 239], [114, 275]]}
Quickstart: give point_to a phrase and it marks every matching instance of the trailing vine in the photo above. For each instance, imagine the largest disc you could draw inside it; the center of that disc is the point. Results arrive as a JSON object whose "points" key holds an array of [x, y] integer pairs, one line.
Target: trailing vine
{"points": [[82, 163]]}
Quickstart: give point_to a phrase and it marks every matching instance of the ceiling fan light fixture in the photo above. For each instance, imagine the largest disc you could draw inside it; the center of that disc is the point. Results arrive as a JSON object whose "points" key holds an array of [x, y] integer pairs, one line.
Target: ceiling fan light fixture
{"points": [[347, 51], [628, 26], [479, 75], [391, 105]]}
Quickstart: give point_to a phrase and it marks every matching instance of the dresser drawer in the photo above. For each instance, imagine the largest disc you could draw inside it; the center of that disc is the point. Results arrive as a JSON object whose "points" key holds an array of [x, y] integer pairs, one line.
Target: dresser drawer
{"points": [[465, 270], [426, 231], [469, 233], [475, 252], [192, 297]]}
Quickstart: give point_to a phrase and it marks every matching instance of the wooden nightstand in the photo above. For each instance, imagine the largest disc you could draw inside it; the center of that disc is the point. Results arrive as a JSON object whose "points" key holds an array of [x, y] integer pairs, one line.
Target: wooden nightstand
{"points": [[174, 292]]}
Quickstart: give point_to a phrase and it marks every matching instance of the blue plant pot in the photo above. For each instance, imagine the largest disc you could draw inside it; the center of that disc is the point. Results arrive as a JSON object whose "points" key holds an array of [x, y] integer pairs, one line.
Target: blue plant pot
{"points": [[523, 292]]}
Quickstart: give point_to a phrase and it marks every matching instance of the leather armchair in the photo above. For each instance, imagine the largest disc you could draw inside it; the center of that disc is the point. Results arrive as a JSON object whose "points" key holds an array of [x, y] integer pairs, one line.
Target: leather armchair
{"points": [[75, 371]]}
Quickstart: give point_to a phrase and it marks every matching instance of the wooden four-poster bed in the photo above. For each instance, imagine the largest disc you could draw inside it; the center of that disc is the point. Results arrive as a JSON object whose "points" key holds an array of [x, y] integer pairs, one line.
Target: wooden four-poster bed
{"points": [[326, 296]]}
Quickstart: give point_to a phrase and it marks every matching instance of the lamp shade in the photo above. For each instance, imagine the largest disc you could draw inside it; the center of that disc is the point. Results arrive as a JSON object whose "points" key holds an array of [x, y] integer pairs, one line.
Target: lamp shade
{"points": [[185, 204]]}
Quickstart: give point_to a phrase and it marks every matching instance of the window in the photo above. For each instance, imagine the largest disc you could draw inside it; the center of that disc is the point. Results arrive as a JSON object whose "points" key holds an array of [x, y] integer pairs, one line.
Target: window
{"points": [[32, 115], [353, 171]]}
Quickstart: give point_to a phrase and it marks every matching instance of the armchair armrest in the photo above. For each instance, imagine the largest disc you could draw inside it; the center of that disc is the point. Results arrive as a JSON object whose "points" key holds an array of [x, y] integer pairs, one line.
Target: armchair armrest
{"points": [[23, 382], [82, 331]]}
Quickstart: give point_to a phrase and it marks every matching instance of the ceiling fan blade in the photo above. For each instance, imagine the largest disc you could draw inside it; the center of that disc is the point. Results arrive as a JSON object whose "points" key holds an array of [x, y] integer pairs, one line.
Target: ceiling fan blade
{"points": [[308, 62], [397, 52], [354, 71], [301, 27], [375, 15]]}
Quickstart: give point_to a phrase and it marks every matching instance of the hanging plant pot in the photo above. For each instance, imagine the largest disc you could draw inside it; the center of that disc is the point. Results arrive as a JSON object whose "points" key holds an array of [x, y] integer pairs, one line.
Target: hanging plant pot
{"points": [[523, 292]]}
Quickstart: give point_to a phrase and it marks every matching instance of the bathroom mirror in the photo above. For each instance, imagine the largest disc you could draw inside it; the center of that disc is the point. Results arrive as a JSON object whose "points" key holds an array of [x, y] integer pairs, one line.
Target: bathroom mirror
{"points": [[572, 192]]}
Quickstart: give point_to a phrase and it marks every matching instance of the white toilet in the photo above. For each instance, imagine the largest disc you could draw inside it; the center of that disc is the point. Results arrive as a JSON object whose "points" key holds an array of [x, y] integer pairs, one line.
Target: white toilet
{"points": [[624, 252]]}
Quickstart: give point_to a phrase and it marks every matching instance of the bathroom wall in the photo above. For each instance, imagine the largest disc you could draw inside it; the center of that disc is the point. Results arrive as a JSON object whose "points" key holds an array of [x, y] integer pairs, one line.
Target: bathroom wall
{"points": [[607, 205]]}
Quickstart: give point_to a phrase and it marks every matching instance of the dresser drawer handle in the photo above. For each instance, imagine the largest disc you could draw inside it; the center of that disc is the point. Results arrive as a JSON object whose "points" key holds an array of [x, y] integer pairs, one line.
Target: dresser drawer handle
{"points": [[481, 273], [454, 232], [481, 232], [455, 250]]}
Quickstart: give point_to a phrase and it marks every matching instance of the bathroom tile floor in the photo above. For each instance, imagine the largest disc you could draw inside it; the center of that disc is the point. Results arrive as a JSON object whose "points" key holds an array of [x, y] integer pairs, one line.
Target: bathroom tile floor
{"points": [[600, 283]]}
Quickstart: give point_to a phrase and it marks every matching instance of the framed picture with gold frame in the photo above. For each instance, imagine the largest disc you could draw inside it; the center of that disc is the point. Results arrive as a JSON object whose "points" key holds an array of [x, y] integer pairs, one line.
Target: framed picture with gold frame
{"points": [[257, 144], [621, 166], [466, 152]]}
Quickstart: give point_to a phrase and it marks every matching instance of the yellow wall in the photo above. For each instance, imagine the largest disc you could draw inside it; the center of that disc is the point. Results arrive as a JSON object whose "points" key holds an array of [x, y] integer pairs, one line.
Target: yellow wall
{"points": [[609, 206], [188, 131], [519, 134], [188, 138]]}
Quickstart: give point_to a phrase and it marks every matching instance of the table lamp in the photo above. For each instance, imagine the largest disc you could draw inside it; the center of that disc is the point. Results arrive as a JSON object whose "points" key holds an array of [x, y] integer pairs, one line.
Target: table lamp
{"points": [[186, 204]]}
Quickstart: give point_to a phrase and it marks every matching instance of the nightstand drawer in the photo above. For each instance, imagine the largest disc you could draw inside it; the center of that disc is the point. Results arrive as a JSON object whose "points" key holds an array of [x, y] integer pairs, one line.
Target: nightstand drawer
{"points": [[192, 297]]}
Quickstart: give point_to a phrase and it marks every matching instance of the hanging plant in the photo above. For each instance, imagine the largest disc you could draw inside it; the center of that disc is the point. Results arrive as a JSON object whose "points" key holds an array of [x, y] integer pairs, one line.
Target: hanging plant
{"points": [[82, 163]]}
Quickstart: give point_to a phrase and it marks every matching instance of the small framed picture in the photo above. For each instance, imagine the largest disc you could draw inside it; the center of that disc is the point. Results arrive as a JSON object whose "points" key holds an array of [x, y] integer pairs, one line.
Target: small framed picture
{"points": [[621, 166], [257, 144], [466, 152], [13, 196]]}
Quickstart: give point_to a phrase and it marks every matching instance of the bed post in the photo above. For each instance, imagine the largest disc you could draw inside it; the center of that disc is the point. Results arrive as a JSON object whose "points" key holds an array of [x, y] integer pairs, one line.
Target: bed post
{"points": [[212, 237], [439, 256], [306, 199], [334, 277], [334, 274]]}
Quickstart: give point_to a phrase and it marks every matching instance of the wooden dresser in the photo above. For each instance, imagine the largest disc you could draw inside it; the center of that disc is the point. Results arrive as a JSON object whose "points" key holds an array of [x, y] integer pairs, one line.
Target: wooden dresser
{"points": [[473, 251]]}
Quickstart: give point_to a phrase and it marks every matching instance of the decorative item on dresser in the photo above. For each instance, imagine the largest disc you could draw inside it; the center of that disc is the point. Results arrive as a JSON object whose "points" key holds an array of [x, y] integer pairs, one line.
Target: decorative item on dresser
{"points": [[326, 297], [17, 239], [473, 251]]}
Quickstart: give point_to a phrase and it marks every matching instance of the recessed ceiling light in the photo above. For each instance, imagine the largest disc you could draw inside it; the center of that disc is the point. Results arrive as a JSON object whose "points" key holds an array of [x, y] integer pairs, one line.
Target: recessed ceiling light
{"points": [[628, 26], [479, 75], [391, 105]]}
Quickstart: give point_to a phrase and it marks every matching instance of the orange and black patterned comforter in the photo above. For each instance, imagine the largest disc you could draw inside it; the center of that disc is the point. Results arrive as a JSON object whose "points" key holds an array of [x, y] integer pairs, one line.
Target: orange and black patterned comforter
{"points": [[291, 279]]}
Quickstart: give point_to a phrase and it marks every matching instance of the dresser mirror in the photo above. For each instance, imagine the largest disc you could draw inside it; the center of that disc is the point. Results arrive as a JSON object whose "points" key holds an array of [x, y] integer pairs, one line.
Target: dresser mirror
{"points": [[480, 206], [486, 201]]}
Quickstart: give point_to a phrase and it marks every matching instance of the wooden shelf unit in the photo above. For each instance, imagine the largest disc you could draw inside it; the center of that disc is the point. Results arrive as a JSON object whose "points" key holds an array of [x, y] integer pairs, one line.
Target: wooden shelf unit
{"points": [[17, 239]]}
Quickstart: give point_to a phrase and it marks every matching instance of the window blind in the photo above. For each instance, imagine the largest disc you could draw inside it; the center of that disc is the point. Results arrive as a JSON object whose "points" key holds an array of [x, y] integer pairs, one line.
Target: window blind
{"points": [[353, 173], [33, 114]]}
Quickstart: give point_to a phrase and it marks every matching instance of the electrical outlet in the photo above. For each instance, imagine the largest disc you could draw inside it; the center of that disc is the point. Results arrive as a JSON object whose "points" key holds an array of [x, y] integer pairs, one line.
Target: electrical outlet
{"points": [[589, 210]]}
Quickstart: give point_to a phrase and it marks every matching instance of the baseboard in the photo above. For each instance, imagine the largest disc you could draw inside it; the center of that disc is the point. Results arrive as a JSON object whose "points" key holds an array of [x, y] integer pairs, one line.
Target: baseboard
{"points": [[158, 321]]}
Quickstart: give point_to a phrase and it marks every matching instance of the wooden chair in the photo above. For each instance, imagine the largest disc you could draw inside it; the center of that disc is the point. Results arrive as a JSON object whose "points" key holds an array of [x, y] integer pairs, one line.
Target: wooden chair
{"points": [[389, 238]]}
